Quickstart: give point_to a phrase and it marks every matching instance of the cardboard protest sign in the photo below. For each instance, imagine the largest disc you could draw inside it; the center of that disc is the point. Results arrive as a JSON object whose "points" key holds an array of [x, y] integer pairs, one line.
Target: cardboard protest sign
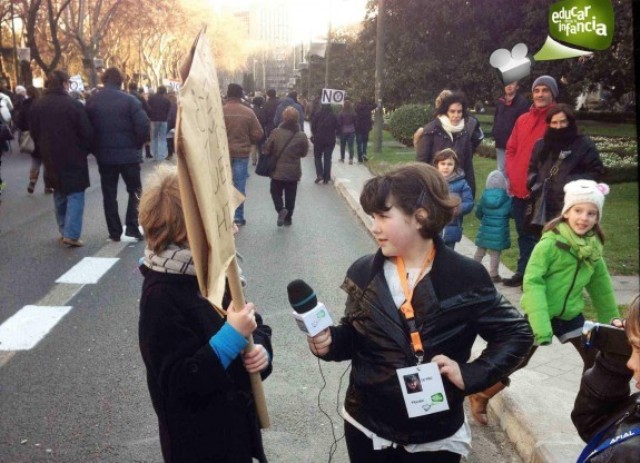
{"points": [[206, 188], [205, 172]]}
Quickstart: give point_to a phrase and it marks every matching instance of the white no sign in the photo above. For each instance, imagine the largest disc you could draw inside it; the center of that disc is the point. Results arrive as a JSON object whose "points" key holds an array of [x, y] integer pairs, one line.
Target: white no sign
{"points": [[331, 96]]}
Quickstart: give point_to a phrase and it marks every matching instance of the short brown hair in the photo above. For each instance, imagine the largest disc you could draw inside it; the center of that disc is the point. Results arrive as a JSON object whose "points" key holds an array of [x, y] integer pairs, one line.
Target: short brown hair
{"points": [[160, 212], [411, 187], [632, 324], [444, 154], [290, 115]]}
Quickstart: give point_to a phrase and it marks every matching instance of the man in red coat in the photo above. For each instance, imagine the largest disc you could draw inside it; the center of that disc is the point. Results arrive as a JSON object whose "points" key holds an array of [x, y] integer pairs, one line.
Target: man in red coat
{"points": [[528, 129]]}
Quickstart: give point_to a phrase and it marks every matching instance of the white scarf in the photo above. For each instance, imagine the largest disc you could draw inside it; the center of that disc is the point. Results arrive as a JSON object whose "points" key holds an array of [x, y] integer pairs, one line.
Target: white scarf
{"points": [[174, 259], [449, 128]]}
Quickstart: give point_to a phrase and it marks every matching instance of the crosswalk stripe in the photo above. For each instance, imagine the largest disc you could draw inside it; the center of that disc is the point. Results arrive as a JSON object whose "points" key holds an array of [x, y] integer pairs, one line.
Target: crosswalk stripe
{"points": [[25, 329], [88, 271]]}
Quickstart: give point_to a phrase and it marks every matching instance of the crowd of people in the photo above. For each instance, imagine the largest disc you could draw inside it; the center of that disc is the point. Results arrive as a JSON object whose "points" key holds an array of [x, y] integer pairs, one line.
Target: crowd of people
{"points": [[414, 308], [58, 128], [262, 128]]}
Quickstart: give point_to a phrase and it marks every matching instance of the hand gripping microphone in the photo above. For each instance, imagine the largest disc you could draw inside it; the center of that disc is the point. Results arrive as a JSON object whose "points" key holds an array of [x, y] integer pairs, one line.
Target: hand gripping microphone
{"points": [[311, 316]]}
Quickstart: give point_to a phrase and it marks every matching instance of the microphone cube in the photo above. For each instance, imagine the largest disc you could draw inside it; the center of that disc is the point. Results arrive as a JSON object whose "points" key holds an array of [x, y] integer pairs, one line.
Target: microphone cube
{"points": [[314, 321]]}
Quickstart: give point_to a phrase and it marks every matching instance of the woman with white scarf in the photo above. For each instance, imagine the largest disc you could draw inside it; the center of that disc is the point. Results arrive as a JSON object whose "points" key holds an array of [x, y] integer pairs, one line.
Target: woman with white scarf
{"points": [[448, 130]]}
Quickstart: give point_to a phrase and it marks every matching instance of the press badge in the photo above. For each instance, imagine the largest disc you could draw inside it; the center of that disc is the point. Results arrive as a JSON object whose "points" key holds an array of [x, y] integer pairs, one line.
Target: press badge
{"points": [[422, 389]]}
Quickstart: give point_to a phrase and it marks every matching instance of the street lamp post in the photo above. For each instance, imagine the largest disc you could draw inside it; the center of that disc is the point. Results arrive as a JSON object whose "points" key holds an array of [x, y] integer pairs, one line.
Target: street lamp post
{"points": [[15, 46], [378, 76], [327, 54]]}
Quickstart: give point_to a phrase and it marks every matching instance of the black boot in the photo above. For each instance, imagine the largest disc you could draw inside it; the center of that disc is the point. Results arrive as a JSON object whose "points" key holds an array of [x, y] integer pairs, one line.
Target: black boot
{"points": [[515, 280]]}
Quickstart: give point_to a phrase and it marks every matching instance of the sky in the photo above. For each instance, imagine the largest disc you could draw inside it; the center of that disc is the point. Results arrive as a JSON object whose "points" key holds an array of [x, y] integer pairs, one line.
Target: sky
{"points": [[313, 16]]}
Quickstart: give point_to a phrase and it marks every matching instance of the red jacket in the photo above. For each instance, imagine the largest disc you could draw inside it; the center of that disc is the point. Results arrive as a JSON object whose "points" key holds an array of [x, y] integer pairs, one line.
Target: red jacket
{"points": [[529, 128]]}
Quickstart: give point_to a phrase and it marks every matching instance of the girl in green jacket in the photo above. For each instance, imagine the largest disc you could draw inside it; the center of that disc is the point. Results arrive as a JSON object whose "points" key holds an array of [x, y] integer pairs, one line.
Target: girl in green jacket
{"points": [[567, 260]]}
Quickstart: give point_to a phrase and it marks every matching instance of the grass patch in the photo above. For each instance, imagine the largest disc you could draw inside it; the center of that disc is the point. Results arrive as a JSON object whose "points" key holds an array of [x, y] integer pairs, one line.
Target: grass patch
{"points": [[620, 217]]}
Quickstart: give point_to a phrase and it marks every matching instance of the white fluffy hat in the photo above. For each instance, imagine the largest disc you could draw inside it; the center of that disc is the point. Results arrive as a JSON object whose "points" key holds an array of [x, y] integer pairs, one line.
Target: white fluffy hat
{"points": [[585, 191]]}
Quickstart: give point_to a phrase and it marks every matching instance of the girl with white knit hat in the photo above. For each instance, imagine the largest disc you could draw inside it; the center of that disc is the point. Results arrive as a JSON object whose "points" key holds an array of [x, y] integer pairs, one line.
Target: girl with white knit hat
{"points": [[566, 261]]}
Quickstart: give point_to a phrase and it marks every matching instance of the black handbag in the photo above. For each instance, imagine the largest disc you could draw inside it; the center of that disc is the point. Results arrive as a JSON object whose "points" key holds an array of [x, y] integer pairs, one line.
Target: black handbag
{"points": [[266, 165], [267, 162], [535, 213]]}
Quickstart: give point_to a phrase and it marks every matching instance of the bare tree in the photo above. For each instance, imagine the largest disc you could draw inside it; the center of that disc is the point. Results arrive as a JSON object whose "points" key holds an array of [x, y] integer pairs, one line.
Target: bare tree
{"points": [[87, 22], [42, 33]]}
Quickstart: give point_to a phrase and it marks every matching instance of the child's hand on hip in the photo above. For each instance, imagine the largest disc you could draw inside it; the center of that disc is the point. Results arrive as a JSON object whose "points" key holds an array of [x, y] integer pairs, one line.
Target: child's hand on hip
{"points": [[320, 343], [244, 321], [450, 369], [256, 360]]}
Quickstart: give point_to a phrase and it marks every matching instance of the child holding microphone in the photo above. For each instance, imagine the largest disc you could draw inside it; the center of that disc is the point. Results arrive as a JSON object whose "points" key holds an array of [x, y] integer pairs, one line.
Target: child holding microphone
{"points": [[416, 307]]}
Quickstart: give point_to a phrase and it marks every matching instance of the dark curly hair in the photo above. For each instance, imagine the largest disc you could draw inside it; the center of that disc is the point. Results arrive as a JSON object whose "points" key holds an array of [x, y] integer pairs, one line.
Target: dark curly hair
{"points": [[456, 97]]}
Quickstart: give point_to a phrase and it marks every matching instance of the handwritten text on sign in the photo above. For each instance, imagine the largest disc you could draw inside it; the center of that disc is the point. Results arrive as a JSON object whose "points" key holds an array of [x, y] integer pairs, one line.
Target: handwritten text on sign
{"points": [[203, 141], [331, 96]]}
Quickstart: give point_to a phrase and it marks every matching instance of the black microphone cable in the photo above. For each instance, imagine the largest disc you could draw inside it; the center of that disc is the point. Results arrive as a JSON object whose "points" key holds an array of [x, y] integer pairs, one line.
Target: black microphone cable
{"points": [[334, 445]]}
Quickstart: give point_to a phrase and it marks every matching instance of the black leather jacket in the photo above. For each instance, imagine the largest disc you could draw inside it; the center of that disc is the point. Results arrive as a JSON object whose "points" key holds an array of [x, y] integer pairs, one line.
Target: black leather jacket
{"points": [[454, 304], [603, 402]]}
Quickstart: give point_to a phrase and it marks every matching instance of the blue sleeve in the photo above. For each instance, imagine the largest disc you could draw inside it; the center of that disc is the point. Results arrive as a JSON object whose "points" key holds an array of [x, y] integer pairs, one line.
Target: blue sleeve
{"points": [[467, 199], [227, 344]]}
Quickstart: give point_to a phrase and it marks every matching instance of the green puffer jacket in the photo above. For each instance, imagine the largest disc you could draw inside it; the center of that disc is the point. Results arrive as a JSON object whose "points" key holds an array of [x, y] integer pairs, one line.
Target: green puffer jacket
{"points": [[553, 285]]}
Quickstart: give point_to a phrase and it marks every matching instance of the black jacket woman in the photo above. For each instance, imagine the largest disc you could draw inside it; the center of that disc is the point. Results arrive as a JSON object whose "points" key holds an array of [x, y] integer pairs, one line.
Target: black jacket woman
{"points": [[562, 156], [605, 415], [289, 144], [449, 130]]}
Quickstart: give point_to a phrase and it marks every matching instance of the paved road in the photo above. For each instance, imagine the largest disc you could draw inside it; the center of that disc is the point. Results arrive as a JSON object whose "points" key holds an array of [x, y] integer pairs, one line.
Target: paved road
{"points": [[80, 395]]}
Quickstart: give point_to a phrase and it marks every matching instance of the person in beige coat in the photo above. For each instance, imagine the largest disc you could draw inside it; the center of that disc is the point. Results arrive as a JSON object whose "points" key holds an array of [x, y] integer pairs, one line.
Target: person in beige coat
{"points": [[290, 144], [243, 130]]}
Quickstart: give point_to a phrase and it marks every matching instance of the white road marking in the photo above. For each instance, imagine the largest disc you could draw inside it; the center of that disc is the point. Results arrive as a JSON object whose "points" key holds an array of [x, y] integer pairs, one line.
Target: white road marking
{"points": [[88, 271], [29, 325]]}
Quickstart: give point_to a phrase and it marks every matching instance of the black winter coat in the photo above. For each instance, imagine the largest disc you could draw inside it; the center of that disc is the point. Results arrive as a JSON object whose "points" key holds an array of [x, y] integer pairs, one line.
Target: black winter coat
{"points": [[364, 123], [455, 303], [603, 402], [21, 117], [205, 413], [121, 126], [61, 130], [434, 139], [582, 162], [324, 127], [270, 108], [505, 118], [159, 107]]}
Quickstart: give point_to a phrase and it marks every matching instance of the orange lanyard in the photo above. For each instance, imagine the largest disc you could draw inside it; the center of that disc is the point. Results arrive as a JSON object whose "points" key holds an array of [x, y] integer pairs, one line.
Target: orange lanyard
{"points": [[407, 308]]}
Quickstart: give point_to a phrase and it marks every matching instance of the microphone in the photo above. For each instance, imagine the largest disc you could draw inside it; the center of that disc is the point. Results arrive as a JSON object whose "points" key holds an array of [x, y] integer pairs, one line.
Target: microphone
{"points": [[311, 316]]}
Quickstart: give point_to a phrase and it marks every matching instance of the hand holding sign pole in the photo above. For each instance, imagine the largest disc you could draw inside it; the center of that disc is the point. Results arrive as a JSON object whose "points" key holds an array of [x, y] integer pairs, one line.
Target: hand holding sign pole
{"points": [[206, 189], [587, 24]]}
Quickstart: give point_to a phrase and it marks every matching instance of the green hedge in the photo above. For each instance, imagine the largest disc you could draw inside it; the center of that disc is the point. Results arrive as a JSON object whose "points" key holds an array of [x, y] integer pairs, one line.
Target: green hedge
{"points": [[405, 120], [606, 116]]}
